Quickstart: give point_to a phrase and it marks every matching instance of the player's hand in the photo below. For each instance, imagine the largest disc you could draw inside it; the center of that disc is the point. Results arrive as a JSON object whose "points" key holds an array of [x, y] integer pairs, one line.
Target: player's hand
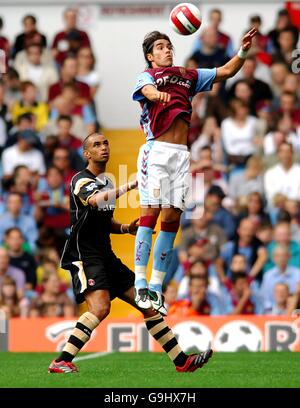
{"points": [[133, 227], [247, 39], [163, 97], [132, 185]]}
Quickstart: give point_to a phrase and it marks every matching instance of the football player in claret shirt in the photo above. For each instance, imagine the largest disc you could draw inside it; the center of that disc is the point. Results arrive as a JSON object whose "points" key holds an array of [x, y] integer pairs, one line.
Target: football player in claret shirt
{"points": [[165, 92]]}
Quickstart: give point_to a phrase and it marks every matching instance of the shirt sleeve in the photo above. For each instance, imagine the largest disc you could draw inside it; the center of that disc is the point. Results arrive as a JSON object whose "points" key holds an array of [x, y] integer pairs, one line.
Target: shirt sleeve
{"points": [[85, 188], [205, 80], [143, 79]]}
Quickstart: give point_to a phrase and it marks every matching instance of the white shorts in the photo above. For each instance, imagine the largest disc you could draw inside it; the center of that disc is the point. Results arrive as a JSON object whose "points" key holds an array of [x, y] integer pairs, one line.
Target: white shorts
{"points": [[163, 170]]}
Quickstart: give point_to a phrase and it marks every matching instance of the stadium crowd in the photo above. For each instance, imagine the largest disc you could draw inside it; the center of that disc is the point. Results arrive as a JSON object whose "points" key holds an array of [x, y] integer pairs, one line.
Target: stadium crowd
{"points": [[239, 251]]}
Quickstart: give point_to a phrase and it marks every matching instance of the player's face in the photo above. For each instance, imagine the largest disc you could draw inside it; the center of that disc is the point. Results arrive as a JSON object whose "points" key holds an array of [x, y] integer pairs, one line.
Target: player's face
{"points": [[162, 54], [98, 150]]}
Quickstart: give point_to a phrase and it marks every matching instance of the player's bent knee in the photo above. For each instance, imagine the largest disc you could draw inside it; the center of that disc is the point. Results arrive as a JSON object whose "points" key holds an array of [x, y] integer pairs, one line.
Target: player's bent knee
{"points": [[101, 311], [148, 221]]}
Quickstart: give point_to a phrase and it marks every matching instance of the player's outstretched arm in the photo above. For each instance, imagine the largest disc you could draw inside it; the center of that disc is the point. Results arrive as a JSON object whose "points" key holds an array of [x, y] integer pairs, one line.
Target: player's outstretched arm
{"points": [[107, 196], [235, 64], [150, 92]]}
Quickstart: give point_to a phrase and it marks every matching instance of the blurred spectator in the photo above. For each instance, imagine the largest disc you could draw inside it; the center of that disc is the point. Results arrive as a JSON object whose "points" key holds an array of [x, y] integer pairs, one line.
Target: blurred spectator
{"points": [[284, 177], [245, 182], [221, 216], [23, 184], [281, 300], [281, 273], [283, 22], [62, 160], [207, 235], [240, 298], [10, 303], [264, 233], [279, 71], [282, 236], [254, 209], [63, 42], [12, 87], [4, 43], [288, 108], [33, 69], [261, 44], [5, 116], [245, 244], [224, 41], [210, 54], [170, 294], [13, 217], [31, 35], [52, 201], [261, 91], [65, 137], [206, 105], [200, 302], [30, 104], [49, 261], [10, 271], [287, 45], [204, 177], [67, 105], [23, 153], [86, 70], [293, 209], [14, 242], [209, 137], [197, 268], [53, 300], [238, 132], [68, 76]]}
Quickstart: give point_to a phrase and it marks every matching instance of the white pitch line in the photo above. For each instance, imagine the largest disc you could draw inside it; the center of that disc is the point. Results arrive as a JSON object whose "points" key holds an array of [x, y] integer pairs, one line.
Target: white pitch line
{"points": [[93, 355]]}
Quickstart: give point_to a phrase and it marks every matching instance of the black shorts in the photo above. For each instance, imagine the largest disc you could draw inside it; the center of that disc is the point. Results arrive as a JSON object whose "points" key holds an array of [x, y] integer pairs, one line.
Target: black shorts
{"points": [[93, 274]]}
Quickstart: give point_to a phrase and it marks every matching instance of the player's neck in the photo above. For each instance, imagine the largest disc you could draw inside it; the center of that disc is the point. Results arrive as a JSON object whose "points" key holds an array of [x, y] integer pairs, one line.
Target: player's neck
{"points": [[96, 168]]}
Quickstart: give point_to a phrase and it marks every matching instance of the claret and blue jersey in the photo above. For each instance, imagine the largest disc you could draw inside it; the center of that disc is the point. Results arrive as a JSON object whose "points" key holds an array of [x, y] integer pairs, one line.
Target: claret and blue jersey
{"points": [[182, 84]]}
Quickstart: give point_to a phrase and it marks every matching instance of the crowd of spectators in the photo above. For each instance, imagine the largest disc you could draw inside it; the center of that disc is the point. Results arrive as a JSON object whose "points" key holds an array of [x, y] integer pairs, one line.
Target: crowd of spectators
{"points": [[47, 106], [239, 251]]}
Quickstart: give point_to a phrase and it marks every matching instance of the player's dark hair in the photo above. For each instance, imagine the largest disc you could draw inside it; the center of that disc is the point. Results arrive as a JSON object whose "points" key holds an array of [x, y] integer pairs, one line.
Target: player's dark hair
{"points": [[1, 23], [86, 140], [149, 41]]}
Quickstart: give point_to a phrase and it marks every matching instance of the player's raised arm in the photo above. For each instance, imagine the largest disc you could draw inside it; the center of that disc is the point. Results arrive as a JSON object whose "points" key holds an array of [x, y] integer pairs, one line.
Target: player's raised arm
{"points": [[235, 64]]}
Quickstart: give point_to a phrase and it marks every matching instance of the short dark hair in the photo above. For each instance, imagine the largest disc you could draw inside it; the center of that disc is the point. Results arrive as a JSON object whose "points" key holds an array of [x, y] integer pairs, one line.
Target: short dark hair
{"points": [[12, 229], [149, 40], [86, 140], [255, 19], [65, 117], [1, 22], [238, 275], [29, 17], [25, 116]]}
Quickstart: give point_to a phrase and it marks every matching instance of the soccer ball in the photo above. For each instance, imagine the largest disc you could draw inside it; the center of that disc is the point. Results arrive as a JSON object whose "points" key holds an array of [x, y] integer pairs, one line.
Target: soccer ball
{"points": [[185, 19], [238, 335], [193, 337]]}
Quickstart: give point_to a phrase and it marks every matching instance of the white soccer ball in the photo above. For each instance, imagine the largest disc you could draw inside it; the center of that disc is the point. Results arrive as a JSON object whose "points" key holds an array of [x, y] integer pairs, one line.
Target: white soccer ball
{"points": [[185, 19], [192, 336], [239, 335]]}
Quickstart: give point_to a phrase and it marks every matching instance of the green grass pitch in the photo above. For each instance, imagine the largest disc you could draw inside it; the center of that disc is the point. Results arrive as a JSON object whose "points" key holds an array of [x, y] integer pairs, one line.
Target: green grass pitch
{"points": [[120, 370]]}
